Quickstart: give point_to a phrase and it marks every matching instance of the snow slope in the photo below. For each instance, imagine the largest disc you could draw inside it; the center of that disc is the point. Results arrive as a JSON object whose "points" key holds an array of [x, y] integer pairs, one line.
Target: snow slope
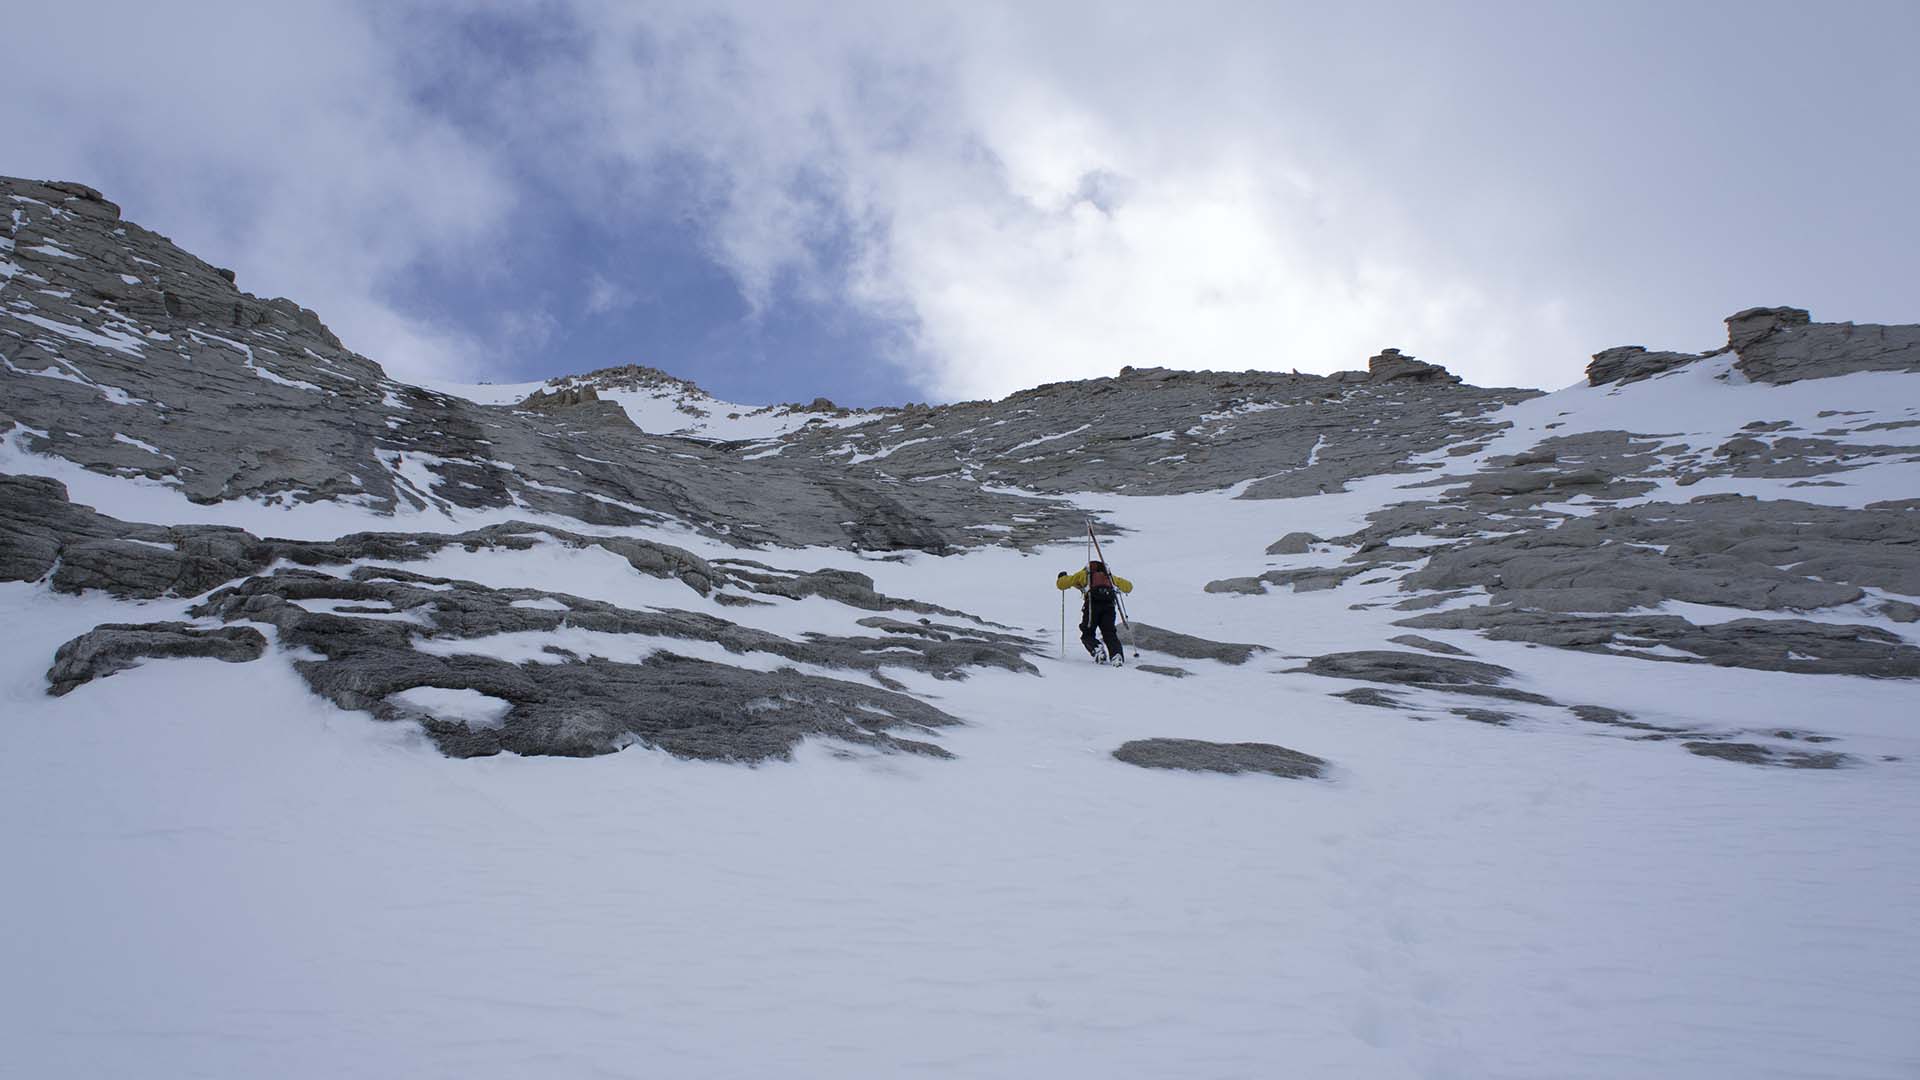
{"points": [[215, 873]]}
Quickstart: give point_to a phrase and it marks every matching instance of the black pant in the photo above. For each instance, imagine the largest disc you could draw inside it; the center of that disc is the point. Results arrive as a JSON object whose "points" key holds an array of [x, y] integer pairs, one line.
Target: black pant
{"points": [[1095, 615]]}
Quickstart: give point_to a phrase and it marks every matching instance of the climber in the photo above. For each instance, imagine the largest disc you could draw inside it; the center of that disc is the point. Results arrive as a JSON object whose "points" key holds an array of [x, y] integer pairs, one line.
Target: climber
{"points": [[1098, 603]]}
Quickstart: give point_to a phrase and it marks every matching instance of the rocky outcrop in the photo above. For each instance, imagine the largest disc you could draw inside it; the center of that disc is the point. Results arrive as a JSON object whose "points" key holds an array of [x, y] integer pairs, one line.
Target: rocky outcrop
{"points": [[1294, 543], [1153, 431], [1729, 550], [1777, 345], [1784, 345], [1631, 363], [1423, 672], [1194, 755], [42, 533], [1415, 641], [565, 397], [1794, 645], [115, 647], [1305, 579], [383, 630], [1188, 647], [583, 677], [1755, 754], [1390, 365], [1748, 328], [130, 357]]}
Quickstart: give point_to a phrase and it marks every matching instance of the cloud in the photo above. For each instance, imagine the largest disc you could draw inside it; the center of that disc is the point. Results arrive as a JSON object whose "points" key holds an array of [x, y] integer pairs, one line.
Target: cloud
{"points": [[1027, 191], [603, 295], [277, 139], [1045, 190], [1035, 197]]}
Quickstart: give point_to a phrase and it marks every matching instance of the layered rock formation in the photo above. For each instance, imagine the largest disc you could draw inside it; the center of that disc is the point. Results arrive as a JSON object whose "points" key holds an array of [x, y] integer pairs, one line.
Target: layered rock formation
{"points": [[124, 356]]}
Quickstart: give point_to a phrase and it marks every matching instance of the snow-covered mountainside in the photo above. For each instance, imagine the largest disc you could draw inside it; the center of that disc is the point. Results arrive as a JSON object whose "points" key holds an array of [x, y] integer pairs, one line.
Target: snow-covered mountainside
{"points": [[597, 726], [664, 405]]}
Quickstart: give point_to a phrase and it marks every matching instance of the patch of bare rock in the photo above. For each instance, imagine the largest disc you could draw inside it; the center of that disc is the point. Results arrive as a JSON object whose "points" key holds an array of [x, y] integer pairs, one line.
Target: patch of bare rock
{"points": [[1195, 755]]}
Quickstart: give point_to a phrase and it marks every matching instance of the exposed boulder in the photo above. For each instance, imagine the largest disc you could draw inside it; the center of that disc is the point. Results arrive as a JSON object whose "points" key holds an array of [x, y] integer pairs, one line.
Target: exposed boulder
{"points": [[1294, 543], [115, 647], [1188, 647], [1631, 363], [1195, 755]]}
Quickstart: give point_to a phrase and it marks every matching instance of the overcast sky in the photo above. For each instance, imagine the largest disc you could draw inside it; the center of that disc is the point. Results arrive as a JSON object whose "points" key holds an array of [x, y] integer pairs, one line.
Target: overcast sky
{"points": [[886, 202]]}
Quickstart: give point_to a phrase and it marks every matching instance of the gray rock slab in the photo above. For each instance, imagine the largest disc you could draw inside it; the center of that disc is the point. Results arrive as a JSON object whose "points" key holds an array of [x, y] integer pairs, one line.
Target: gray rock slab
{"points": [[1443, 673], [394, 633], [1195, 755], [1151, 431], [1784, 345], [1189, 647], [1756, 754], [116, 647], [1311, 578], [1899, 611], [1631, 363], [1294, 543], [1415, 641], [1775, 644], [170, 373], [1367, 695]]}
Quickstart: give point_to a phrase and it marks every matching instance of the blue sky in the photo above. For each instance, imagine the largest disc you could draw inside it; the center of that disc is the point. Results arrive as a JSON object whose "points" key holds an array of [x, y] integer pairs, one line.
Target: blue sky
{"points": [[879, 203]]}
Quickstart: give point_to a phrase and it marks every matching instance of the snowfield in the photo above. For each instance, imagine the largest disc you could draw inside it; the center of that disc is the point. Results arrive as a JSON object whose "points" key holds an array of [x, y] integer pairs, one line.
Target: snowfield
{"points": [[213, 872], [1553, 836]]}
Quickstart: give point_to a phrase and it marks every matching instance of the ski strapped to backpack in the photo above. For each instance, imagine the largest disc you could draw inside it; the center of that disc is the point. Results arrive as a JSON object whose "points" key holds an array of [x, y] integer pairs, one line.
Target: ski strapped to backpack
{"points": [[1103, 578]]}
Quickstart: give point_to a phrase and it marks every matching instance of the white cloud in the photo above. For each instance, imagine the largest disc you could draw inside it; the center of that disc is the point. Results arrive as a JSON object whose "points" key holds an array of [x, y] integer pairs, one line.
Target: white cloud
{"points": [[604, 295], [1033, 206], [1034, 191], [277, 139]]}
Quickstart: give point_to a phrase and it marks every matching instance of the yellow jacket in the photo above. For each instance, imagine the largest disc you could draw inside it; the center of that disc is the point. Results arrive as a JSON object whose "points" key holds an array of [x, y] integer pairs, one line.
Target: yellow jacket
{"points": [[1079, 581]]}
